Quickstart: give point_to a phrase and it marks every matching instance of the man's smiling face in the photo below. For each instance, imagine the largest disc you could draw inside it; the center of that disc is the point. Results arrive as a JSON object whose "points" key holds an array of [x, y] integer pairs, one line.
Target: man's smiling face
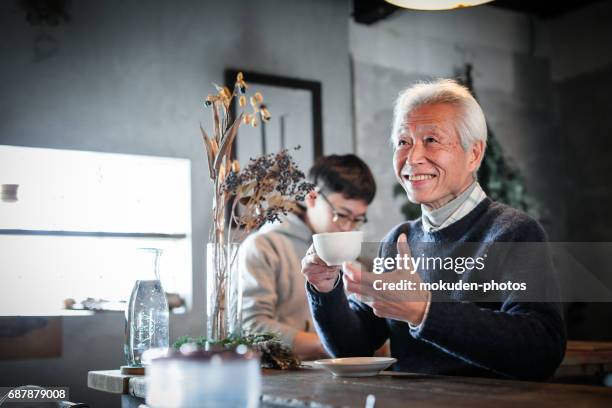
{"points": [[429, 160]]}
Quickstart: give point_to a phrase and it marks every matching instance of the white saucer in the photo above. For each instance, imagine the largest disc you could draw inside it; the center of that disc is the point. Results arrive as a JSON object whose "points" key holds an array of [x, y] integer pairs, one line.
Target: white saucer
{"points": [[355, 366]]}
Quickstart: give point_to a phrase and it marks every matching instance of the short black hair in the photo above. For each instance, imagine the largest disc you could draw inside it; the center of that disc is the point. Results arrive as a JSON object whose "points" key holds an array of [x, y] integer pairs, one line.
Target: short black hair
{"points": [[345, 174]]}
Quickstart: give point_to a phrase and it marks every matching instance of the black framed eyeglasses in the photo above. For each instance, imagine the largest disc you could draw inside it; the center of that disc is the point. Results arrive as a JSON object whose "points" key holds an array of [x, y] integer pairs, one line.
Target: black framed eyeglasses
{"points": [[344, 220]]}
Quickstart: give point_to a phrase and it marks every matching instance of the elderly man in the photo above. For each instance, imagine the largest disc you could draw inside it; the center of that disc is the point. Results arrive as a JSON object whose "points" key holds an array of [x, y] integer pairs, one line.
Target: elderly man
{"points": [[439, 137]]}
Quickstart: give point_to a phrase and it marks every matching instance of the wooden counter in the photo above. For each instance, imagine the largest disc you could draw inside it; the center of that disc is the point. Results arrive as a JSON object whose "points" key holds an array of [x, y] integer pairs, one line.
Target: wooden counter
{"points": [[310, 387]]}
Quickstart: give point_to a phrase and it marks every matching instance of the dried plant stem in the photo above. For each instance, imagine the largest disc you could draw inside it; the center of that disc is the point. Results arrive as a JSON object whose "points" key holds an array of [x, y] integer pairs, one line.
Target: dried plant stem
{"points": [[269, 185]]}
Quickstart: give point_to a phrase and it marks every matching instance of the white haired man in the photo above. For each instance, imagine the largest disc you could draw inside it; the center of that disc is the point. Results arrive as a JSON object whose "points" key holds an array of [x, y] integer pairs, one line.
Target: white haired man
{"points": [[439, 138]]}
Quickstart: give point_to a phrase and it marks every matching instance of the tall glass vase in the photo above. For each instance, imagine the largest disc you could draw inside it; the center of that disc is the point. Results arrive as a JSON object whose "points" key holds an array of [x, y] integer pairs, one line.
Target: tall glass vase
{"points": [[223, 291]]}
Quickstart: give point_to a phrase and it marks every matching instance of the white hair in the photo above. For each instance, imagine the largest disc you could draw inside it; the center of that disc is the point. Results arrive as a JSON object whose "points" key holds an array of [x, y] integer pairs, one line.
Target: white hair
{"points": [[471, 125]]}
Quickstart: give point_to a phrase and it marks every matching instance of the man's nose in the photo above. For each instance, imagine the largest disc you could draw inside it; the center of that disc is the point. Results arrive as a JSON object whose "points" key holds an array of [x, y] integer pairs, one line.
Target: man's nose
{"points": [[416, 155]]}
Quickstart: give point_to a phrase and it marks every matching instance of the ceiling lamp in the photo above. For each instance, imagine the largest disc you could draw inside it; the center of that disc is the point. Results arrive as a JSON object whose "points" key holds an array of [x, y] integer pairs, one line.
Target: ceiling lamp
{"points": [[436, 4]]}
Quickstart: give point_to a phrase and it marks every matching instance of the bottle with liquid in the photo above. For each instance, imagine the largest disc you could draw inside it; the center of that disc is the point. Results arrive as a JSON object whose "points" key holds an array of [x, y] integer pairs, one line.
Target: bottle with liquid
{"points": [[147, 313]]}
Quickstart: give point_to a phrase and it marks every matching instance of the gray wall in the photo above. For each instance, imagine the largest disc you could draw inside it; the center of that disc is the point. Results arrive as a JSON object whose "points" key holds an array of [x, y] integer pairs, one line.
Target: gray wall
{"points": [[578, 47], [130, 77]]}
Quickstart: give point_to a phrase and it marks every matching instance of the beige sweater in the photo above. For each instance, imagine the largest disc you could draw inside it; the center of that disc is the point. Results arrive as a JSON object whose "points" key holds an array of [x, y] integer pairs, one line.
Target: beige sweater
{"points": [[274, 298]]}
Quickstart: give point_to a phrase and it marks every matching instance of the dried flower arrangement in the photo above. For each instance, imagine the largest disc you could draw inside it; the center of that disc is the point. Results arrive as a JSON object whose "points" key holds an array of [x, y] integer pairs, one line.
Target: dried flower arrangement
{"points": [[267, 187]]}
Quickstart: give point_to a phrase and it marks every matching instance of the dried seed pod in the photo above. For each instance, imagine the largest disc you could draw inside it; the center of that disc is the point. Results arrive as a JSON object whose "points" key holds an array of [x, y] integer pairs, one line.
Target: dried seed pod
{"points": [[235, 166], [254, 121], [225, 93], [246, 119], [240, 84], [265, 114], [254, 103], [242, 101], [258, 97]]}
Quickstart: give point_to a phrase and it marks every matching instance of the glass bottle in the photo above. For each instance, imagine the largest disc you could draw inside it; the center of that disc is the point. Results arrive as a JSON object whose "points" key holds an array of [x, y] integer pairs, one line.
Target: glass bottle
{"points": [[147, 313]]}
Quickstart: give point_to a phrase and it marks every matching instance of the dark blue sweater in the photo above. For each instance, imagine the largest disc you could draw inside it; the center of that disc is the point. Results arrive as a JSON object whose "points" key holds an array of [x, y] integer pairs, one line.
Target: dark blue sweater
{"points": [[507, 338]]}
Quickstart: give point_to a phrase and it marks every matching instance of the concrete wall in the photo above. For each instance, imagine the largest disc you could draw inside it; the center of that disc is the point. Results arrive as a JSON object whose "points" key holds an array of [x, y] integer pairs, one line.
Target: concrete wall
{"points": [[578, 47], [130, 77]]}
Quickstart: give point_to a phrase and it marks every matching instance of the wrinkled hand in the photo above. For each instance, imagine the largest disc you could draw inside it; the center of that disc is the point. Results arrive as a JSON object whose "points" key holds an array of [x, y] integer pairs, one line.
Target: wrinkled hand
{"points": [[405, 305], [318, 273]]}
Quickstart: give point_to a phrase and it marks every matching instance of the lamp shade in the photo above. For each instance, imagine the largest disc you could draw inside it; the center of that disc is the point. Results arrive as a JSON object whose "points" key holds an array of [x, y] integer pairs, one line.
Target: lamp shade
{"points": [[436, 4]]}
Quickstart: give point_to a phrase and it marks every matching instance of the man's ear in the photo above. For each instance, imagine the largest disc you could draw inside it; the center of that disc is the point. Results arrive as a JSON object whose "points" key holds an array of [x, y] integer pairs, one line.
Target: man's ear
{"points": [[310, 199], [476, 154]]}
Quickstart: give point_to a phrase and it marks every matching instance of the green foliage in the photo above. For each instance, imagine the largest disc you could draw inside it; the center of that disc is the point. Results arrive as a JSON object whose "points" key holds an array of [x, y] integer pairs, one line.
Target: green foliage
{"points": [[200, 341], [230, 342], [409, 210], [274, 354], [502, 182]]}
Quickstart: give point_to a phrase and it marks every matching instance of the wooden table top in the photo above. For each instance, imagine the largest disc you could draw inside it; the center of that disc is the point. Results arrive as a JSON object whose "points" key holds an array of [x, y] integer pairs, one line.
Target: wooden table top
{"points": [[315, 387], [588, 352]]}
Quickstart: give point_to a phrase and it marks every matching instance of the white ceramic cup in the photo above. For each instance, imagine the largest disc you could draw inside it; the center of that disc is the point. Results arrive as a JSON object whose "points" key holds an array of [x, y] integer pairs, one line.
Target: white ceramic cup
{"points": [[337, 247]]}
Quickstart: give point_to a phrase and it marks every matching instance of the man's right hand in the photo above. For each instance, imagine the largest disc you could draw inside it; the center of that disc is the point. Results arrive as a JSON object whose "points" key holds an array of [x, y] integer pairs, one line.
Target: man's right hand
{"points": [[320, 275]]}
